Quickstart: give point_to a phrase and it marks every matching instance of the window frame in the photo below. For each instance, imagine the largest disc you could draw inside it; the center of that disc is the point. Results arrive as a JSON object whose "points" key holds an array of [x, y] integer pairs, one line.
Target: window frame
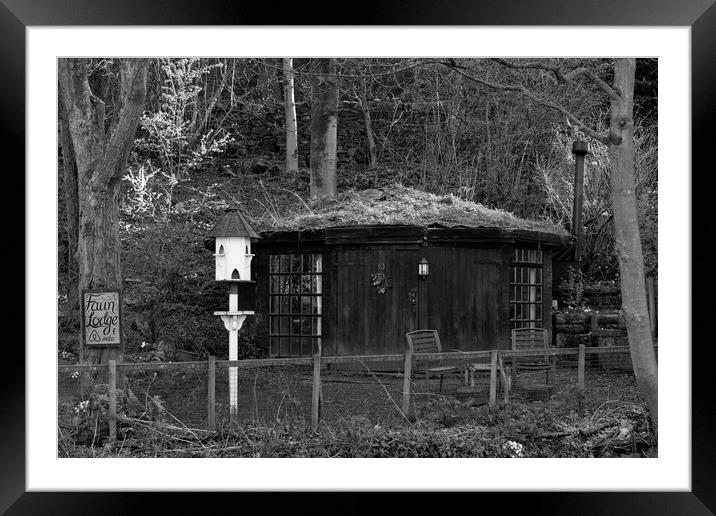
{"points": [[285, 282], [530, 261]]}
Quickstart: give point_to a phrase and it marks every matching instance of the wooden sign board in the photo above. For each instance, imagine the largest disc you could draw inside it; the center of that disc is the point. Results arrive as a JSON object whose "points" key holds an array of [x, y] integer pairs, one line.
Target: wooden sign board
{"points": [[101, 317]]}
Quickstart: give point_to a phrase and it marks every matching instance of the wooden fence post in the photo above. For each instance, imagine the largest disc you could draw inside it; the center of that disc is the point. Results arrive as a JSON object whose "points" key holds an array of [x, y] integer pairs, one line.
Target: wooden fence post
{"points": [[112, 400], [580, 378], [316, 396], [493, 378], [211, 394], [407, 374], [505, 380]]}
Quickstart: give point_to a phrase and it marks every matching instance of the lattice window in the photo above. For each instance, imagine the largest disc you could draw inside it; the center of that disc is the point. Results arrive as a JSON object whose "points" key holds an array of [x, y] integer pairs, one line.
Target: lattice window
{"points": [[526, 289], [295, 303]]}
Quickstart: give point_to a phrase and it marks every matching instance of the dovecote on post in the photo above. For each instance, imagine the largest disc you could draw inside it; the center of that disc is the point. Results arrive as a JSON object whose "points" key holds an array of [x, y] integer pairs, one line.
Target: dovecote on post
{"points": [[234, 239]]}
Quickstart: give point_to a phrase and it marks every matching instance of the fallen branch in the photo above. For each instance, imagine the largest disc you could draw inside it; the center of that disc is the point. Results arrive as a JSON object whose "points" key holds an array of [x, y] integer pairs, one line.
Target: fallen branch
{"points": [[163, 409], [582, 432], [166, 426]]}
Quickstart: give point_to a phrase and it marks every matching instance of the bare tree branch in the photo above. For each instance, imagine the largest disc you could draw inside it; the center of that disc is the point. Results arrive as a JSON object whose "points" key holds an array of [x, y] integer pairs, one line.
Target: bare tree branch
{"points": [[562, 76], [605, 139], [595, 79], [394, 68], [533, 65], [119, 144]]}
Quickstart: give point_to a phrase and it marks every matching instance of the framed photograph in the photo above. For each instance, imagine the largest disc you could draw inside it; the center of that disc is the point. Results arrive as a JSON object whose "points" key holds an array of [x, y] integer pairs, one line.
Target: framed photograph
{"points": [[675, 40]]}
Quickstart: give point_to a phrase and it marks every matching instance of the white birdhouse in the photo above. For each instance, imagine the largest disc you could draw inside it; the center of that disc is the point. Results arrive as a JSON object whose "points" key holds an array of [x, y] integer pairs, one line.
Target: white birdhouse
{"points": [[233, 247]]}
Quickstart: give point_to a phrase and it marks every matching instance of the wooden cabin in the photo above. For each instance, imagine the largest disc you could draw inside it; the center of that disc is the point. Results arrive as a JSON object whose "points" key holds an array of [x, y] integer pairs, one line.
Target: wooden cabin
{"points": [[469, 272]]}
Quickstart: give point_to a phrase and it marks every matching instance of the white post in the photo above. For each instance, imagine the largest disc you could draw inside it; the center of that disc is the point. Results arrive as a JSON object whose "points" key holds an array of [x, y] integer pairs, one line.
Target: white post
{"points": [[233, 297], [233, 320], [233, 373], [234, 351]]}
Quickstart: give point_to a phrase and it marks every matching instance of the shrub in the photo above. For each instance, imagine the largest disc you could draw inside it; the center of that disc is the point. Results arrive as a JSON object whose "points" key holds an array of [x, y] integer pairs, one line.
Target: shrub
{"points": [[572, 288]]}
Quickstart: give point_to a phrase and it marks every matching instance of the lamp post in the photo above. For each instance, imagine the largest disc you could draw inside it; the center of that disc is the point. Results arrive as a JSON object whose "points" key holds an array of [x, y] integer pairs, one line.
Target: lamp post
{"points": [[233, 246]]}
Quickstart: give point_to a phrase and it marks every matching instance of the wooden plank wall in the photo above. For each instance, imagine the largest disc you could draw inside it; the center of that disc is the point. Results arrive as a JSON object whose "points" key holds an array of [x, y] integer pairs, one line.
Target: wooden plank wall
{"points": [[465, 298], [504, 330], [547, 278], [465, 290], [260, 267]]}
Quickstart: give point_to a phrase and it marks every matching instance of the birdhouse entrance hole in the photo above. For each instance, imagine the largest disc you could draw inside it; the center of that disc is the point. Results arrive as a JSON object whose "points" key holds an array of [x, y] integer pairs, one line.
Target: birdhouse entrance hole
{"points": [[235, 274]]}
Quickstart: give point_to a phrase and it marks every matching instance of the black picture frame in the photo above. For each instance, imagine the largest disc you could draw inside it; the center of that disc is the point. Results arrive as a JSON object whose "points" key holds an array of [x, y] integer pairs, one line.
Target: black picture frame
{"points": [[699, 15]]}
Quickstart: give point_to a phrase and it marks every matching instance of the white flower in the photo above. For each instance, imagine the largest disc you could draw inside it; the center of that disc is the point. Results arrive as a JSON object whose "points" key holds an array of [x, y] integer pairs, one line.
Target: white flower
{"points": [[515, 449], [76, 374], [82, 406]]}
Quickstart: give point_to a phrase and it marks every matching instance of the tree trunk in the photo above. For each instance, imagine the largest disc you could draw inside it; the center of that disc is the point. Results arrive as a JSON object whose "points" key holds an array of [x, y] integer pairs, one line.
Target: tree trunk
{"points": [[627, 237], [291, 126], [372, 154], [100, 157], [197, 127], [620, 143], [324, 127], [69, 169]]}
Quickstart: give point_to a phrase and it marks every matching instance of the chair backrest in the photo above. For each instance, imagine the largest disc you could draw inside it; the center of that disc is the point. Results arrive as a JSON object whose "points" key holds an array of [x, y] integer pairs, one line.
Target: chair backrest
{"points": [[530, 338], [424, 341]]}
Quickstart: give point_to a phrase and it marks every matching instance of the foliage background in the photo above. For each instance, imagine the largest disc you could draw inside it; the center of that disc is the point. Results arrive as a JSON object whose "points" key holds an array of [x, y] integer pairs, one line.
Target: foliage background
{"points": [[212, 136]]}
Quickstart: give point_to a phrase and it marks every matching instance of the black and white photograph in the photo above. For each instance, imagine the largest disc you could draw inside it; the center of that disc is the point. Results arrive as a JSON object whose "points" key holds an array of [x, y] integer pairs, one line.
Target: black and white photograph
{"points": [[357, 257], [361, 258]]}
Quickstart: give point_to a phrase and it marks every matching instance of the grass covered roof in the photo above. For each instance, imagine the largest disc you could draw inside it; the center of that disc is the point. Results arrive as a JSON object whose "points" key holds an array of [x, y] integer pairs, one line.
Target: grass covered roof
{"points": [[401, 205]]}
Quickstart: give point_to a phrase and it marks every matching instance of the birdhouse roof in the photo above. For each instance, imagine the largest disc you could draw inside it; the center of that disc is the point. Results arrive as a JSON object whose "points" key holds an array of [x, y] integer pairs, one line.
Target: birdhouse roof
{"points": [[233, 224]]}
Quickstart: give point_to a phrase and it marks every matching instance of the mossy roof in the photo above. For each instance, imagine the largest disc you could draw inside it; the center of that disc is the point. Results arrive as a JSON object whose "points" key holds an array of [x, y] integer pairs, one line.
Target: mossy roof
{"points": [[401, 205]]}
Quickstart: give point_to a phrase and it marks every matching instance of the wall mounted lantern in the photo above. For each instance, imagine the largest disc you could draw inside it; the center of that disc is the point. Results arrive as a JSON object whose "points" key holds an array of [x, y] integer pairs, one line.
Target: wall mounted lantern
{"points": [[423, 268]]}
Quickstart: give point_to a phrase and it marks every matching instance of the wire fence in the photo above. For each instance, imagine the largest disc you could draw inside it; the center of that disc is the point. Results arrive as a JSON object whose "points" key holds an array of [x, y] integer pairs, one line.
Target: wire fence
{"points": [[97, 403]]}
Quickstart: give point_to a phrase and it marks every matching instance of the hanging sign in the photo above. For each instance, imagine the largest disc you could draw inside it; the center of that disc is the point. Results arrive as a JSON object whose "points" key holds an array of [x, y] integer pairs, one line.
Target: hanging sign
{"points": [[101, 317]]}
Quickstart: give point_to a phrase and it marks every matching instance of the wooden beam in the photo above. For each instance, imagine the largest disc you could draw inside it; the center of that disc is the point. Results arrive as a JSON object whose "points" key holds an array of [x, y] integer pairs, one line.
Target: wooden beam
{"points": [[580, 379], [409, 234], [112, 400], [505, 380], [407, 375], [211, 394], [493, 378], [347, 359], [316, 395]]}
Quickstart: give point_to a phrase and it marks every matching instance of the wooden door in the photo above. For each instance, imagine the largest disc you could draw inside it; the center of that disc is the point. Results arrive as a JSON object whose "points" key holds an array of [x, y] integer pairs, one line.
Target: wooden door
{"points": [[462, 294], [375, 298]]}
